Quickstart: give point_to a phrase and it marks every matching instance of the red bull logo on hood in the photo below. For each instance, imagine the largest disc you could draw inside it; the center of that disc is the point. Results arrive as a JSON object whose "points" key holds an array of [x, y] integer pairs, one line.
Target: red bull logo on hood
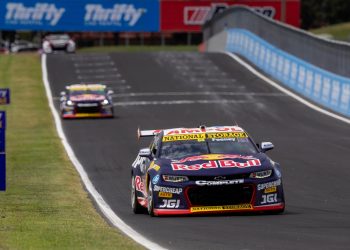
{"points": [[214, 157], [216, 161]]}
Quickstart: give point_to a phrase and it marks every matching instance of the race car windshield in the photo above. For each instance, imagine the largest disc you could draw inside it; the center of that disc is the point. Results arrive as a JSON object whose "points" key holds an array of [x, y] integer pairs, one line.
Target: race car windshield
{"points": [[181, 149], [86, 92], [57, 37]]}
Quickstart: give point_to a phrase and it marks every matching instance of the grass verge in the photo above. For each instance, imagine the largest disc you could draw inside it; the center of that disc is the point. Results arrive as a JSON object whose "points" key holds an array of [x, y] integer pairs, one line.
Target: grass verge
{"points": [[338, 31], [138, 48], [45, 205]]}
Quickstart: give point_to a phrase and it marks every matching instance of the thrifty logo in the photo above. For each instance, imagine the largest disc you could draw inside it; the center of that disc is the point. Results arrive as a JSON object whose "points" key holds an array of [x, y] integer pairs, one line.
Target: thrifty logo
{"points": [[96, 14], [41, 12]]}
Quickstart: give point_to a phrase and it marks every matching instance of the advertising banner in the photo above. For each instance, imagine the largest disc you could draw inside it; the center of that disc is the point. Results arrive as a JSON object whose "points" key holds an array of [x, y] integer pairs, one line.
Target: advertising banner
{"points": [[2, 171], [2, 122], [191, 15], [2, 151], [4, 96], [80, 15]]}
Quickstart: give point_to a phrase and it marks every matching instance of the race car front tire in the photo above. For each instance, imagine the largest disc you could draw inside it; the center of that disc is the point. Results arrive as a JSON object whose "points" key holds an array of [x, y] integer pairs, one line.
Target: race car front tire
{"points": [[150, 202], [136, 207]]}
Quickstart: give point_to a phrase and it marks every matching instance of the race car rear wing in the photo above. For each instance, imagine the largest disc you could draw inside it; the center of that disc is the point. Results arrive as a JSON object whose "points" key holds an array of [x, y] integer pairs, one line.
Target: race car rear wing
{"points": [[147, 133]]}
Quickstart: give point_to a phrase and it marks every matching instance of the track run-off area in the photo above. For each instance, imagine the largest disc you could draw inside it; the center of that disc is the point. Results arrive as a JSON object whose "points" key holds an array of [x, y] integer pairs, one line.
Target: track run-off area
{"points": [[185, 89]]}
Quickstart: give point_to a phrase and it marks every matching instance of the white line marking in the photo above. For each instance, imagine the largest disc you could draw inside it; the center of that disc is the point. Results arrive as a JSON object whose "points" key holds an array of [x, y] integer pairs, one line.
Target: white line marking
{"points": [[180, 102], [198, 94], [87, 65], [98, 76], [102, 204], [218, 86], [90, 58], [95, 70], [284, 90]]}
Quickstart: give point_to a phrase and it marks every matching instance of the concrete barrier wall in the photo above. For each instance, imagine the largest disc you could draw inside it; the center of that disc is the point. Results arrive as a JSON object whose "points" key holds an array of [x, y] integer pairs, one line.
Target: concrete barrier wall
{"points": [[321, 86]]}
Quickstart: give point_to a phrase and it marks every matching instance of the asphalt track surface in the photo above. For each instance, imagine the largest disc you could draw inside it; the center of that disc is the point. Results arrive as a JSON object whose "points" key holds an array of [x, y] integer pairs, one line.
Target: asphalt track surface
{"points": [[171, 89]]}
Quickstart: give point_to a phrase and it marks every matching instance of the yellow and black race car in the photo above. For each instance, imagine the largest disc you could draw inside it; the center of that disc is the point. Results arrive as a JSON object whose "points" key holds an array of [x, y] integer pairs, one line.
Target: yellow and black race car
{"points": [[86, 100]]}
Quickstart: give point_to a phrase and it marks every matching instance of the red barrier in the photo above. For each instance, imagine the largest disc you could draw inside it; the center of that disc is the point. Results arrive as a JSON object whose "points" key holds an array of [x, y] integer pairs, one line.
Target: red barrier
{"points": [[189, 16]]}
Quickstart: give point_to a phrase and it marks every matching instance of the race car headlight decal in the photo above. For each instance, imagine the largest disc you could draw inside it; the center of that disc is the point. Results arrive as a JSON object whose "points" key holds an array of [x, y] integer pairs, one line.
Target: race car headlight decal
{"points": [[175, 178], [261, 174], [105, 102], [69, 103]]}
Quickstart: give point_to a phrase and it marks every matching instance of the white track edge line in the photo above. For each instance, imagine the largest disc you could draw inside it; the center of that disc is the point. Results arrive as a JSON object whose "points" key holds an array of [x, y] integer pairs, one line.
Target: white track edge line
{"points": [[284, 90], [102, 204]]}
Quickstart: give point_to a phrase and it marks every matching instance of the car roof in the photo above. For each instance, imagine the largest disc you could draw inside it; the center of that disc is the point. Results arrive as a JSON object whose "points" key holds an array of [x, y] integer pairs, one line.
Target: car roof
{"points": [[84, 87]]}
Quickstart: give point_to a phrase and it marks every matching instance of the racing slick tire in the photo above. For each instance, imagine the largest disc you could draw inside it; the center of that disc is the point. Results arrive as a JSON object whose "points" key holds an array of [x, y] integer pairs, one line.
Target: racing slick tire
{"points": [[136, 207], [150, 206]]}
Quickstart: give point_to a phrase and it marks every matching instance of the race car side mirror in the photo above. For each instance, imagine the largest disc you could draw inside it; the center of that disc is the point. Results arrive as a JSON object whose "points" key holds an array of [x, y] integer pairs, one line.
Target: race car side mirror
{"points": [[110, 92], [63, 93], [266, 146], [145, 152]]}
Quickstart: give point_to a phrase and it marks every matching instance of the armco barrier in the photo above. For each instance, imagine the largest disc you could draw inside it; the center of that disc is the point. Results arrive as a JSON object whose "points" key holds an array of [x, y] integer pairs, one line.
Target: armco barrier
{"points": [[333, 56], [323, 87]]}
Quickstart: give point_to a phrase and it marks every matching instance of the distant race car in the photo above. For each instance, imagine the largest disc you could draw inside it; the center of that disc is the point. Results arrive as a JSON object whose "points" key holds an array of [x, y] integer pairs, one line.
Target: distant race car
{"points": [[205, 170], [86, 100], [58, 42]]}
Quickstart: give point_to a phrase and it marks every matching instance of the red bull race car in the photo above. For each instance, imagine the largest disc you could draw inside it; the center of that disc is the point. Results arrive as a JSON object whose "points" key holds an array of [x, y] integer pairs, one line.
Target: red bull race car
{"points": [[205, 170], [86, 100]]}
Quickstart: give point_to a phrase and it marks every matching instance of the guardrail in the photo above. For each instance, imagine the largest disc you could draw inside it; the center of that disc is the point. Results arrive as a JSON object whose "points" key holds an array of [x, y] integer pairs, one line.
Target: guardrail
{"points": [[232, 31], [323, 87], [329, 55]]}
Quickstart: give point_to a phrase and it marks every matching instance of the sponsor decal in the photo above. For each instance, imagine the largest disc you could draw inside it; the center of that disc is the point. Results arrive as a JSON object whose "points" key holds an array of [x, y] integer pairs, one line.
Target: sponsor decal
{"points": [[224, 139], [167, 189], [203, 136], [39, 14], [96, 14], [198, 130], [165, 195], [217, 164], [138, 161], [87, 97], [2, 120], [190, 15], [197, 15], [186, 137], [222, 208], [270, 190], [170, 204], [269, 198], [155, 179], [139, 184], [4, 96], [220, 182], [227, 135], [269, 184], [214, 157], [2, 151], [142, 201], [154, 166]]}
